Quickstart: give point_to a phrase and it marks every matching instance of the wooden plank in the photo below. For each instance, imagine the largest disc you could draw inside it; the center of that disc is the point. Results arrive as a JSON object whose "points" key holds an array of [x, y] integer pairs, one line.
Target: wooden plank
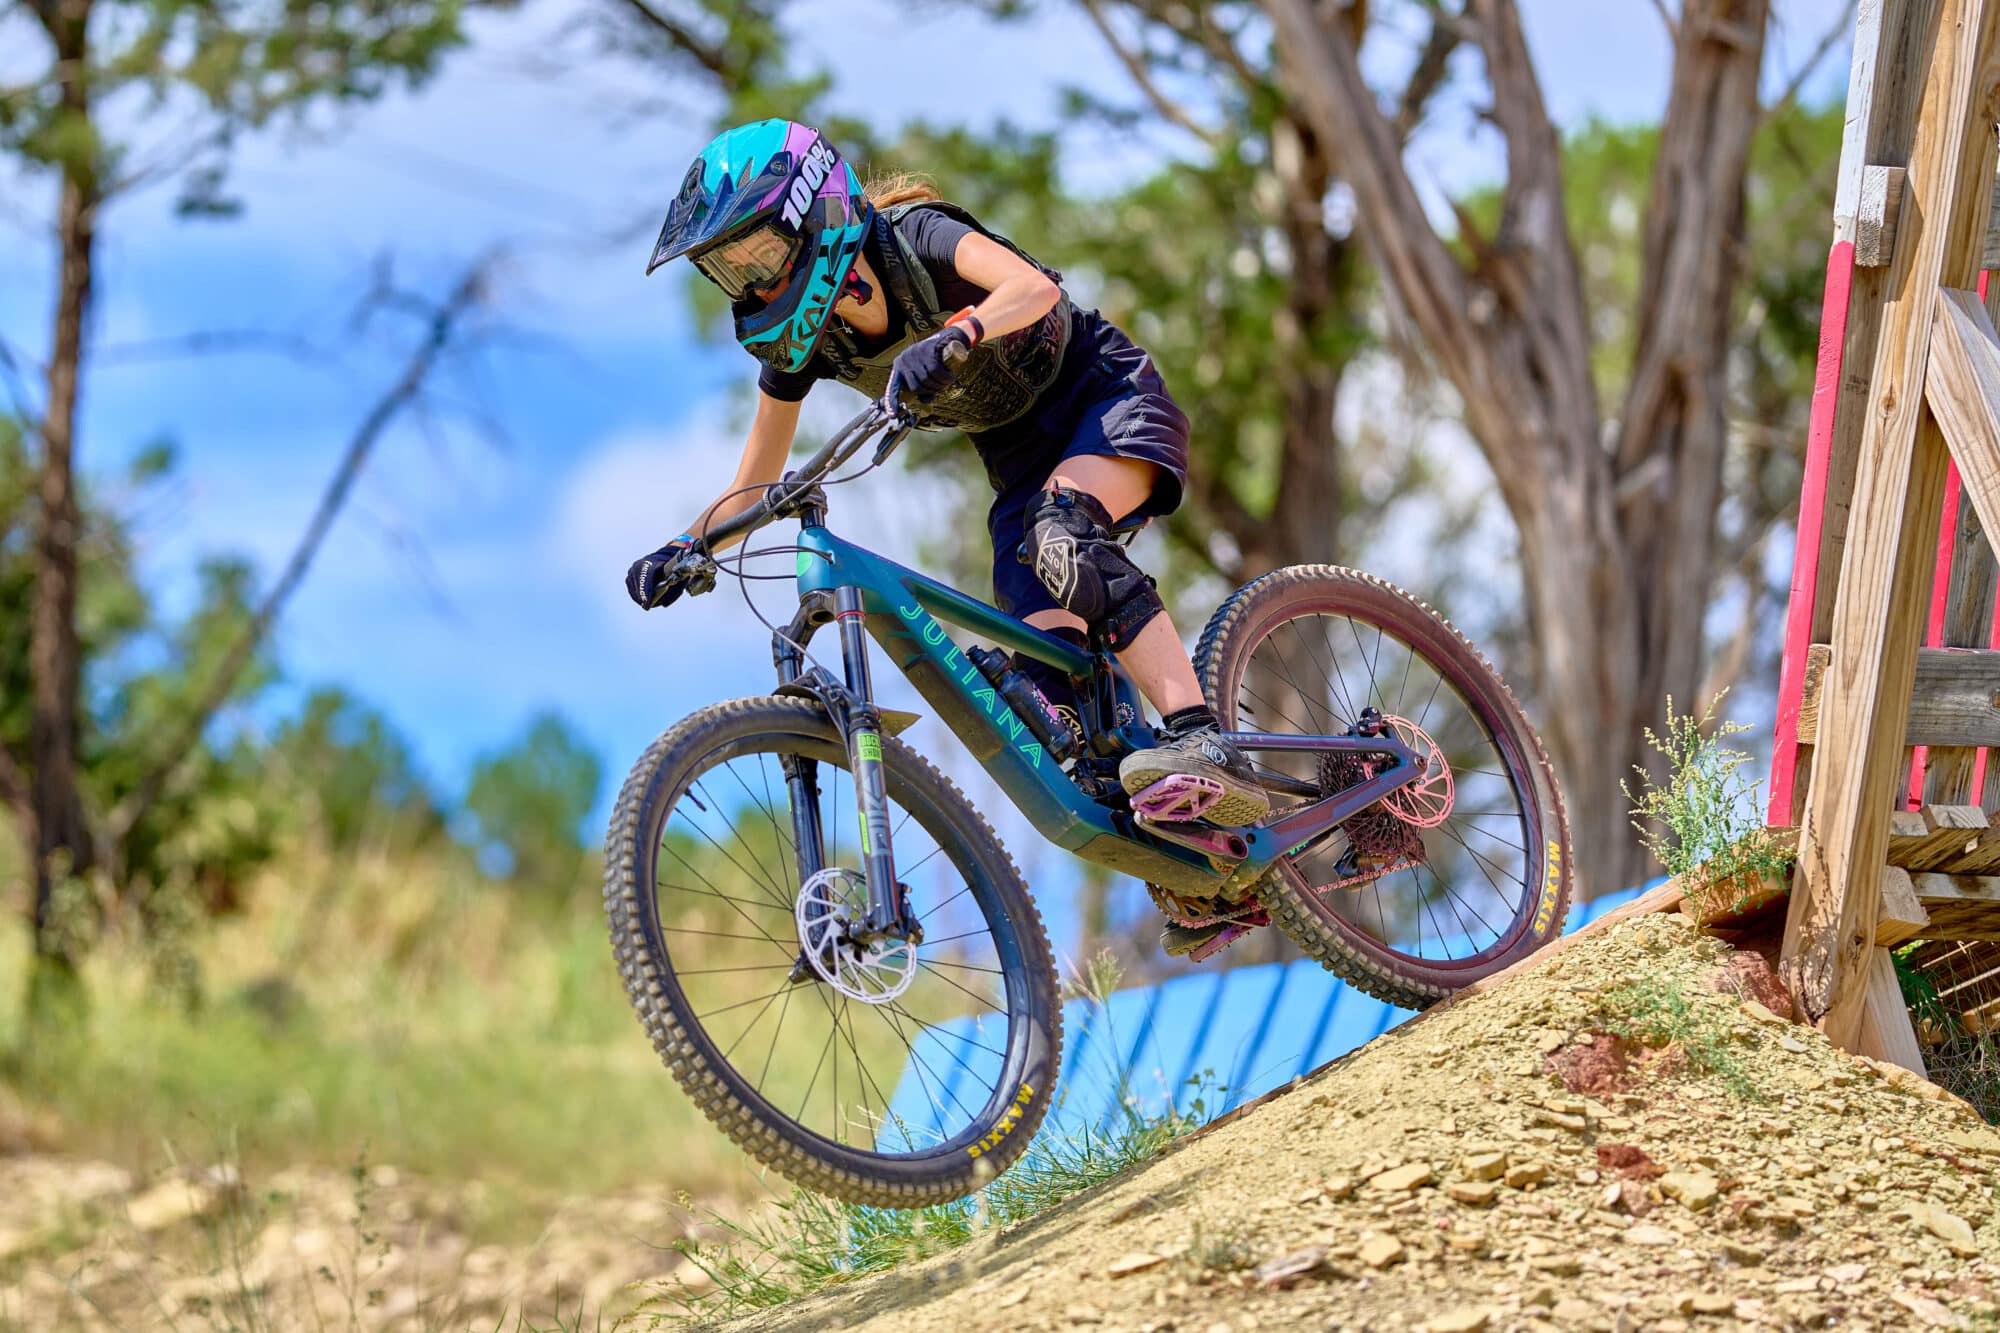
{"points": [[1952, 775], [1950, 832], [1901, 916], [1962, 387], [1892, 39], [1960, 907], [1990, 257], [1875, 227], [1954, 701], [1886, 1030], [1899, 485], [1906, 830]]}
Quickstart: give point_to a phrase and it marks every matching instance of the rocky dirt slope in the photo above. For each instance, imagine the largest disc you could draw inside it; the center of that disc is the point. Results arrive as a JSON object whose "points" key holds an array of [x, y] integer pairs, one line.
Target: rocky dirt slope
{"points": [[1510, 1162]]}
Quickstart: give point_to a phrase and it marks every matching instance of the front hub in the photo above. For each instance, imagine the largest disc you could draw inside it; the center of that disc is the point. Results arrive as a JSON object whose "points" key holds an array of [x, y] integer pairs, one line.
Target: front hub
{"points": [[830, 912]]}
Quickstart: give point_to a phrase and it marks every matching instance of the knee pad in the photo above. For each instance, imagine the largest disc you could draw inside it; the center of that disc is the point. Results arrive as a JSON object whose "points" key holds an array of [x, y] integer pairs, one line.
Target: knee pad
{"points": [[1091, 576]]}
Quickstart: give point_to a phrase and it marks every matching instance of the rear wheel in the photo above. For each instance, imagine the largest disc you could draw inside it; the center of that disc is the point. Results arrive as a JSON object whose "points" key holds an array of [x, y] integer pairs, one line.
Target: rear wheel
{"points": [[891, 1075], [1448, 879]]}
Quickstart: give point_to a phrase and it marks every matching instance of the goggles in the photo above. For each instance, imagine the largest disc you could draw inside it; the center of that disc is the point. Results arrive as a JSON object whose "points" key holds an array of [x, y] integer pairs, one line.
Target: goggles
{"points": [[752, 263]]}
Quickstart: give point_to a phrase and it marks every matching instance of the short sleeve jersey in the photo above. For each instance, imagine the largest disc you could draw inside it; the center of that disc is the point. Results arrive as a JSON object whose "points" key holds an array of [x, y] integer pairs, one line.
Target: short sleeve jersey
{"points": [[935, 239]]}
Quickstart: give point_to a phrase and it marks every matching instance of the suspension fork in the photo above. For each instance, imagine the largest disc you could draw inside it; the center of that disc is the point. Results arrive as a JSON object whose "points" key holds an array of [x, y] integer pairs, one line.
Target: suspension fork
{"points": [[888, 909], [801, 775], [851, 705]]}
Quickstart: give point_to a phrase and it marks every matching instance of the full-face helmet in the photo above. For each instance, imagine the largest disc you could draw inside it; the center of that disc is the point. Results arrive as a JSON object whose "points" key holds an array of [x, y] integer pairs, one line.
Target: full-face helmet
{"points": [[772, 215]]}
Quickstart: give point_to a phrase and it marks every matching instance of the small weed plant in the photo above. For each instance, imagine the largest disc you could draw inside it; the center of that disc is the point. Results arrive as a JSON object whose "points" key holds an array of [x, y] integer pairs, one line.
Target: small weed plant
{"points": [[1702, 823], [1658, 1011], [1216, 1251]]}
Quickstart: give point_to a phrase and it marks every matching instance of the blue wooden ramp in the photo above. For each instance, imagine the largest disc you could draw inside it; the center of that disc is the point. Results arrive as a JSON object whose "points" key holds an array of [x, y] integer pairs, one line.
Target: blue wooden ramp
{"points": [[1203, 1043]]}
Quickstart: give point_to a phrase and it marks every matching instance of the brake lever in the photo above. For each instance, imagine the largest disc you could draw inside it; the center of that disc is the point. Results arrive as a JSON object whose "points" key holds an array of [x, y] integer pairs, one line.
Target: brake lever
{"points": [[896, 435], [700, 570]]}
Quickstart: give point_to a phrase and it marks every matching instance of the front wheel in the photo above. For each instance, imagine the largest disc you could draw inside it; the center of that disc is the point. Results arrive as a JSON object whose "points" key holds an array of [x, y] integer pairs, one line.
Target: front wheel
{"points": [[885, 1074], [1444, 881]]}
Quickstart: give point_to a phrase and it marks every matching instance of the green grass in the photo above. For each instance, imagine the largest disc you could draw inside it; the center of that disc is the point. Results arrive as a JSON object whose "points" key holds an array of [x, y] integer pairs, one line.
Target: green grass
{"points": [[808, 1243], [415, 1014]]}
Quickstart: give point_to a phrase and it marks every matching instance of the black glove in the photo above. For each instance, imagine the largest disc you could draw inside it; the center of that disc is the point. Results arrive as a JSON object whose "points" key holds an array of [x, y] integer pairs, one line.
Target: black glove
{"points": [[921, 369], [647, 582]]}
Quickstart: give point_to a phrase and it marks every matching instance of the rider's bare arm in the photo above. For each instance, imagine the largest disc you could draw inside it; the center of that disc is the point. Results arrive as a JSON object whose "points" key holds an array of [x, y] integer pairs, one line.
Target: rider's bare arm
{"points": [[1017, 293], [763, 462]]}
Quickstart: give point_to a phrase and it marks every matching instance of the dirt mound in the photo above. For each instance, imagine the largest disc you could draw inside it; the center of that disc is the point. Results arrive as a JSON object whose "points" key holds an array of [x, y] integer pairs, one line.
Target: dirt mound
{"points": [[1719, 1168]]}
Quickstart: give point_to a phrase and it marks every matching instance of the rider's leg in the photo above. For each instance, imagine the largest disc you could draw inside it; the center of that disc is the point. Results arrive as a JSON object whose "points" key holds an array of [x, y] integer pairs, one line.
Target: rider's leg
{"points": [[1155, 657], [1093, 579]]}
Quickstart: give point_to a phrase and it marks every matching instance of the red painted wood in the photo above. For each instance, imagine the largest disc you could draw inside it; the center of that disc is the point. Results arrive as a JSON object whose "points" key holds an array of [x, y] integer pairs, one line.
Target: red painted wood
{"points": [[1934, 627], [1812, 516], [1992, 641]]}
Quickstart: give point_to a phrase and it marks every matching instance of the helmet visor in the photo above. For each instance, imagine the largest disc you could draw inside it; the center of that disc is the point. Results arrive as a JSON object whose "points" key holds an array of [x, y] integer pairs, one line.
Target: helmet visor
{"points": [[752, 263]]}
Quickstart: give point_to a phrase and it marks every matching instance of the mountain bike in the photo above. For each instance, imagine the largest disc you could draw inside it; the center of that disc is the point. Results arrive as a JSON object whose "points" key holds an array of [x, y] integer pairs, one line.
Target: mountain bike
{"points": [[876, 1014]]}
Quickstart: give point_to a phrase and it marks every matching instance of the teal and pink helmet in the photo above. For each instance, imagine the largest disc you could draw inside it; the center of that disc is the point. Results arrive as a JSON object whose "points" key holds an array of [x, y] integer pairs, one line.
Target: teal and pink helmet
{"points": [[771, 214]]}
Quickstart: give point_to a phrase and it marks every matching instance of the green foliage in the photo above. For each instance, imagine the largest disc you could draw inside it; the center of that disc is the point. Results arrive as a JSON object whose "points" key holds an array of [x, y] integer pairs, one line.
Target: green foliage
{"points": [[1658, 1011], [1964, 1061], [1705, 818], [241, 62], [218, 821], [395, 1005], [1920, 991], [356, 774], [528, 802]]}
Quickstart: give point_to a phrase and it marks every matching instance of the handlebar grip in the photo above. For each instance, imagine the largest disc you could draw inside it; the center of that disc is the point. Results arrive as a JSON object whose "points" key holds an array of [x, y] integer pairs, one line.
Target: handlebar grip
{"points": [[954, 355]]}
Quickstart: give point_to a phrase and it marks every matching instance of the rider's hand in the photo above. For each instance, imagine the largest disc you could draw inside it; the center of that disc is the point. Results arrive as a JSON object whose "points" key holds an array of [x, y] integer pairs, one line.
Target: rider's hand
{"points": [[647, 581], [921, 369]]}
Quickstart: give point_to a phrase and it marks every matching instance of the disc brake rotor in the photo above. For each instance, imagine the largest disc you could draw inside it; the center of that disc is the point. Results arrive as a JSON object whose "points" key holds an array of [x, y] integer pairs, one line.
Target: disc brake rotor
{"points": [[828, 906], [1424, 801], [1385, 837]]}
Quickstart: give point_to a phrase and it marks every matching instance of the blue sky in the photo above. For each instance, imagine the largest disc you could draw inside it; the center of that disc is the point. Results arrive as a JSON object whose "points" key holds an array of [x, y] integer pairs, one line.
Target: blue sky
{"points": [[474, 581]]}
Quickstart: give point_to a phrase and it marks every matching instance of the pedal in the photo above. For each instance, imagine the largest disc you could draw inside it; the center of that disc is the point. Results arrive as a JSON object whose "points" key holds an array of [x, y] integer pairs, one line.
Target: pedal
{"points": [[1217, 942], [1221, 843], [1178, 797]]}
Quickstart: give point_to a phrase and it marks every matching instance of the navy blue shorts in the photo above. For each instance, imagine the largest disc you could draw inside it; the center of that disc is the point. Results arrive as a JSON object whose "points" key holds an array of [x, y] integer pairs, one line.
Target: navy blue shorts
{"points": [[1118, 408]]}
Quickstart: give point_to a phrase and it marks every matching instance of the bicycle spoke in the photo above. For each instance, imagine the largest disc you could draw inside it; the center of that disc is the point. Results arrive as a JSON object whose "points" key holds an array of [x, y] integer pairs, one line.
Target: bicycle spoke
{"points": [[730, 841]]}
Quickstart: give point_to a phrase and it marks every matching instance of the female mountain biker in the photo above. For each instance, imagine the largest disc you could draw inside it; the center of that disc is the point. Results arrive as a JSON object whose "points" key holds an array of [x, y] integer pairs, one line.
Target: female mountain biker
{"points": [[1076, 430]]}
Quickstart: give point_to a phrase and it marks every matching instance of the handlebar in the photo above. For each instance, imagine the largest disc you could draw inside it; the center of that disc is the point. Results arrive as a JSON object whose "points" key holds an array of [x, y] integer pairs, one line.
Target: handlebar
{"points": [[842, 445]]}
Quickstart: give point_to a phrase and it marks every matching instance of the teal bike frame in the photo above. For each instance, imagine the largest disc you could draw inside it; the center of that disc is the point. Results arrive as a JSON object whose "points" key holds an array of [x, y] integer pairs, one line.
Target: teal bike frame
{"points": [[905, 613]]}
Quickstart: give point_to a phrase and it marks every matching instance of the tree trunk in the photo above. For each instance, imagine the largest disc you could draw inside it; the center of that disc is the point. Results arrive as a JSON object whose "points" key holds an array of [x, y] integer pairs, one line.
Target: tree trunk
{"points": [[61, 838], [1305, 521], [1616, 540]]}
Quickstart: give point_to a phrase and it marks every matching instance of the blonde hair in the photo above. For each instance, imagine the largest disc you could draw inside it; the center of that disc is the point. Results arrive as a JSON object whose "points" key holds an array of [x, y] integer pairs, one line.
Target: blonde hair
{"points": [[900, 187]]}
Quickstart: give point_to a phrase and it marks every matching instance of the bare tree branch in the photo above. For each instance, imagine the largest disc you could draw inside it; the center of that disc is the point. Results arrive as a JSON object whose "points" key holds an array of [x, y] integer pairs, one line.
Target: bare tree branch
{"points": [[1827, 41], [1135, 65], [16, 367], [443, 320], [213, 342], [1667, 19], [1433, 62], [708, 55]]}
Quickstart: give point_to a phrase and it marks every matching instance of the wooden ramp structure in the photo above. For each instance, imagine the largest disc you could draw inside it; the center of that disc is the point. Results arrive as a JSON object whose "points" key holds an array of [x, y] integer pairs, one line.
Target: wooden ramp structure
{"points": [[1889, 706]]}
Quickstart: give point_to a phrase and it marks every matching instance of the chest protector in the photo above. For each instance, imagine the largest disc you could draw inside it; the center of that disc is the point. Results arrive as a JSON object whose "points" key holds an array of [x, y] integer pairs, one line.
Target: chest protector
{"points": [[999, 379]]}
